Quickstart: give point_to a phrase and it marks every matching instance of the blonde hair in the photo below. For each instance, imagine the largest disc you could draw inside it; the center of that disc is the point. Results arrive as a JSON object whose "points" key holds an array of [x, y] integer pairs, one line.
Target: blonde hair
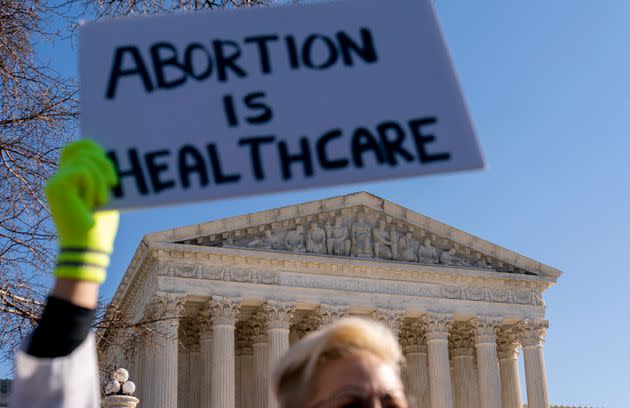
{"points": [[293, 373]]}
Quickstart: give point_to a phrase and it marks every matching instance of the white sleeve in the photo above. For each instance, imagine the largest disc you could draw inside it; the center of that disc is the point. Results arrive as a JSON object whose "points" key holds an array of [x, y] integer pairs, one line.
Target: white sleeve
{"points": [[62, 382]]}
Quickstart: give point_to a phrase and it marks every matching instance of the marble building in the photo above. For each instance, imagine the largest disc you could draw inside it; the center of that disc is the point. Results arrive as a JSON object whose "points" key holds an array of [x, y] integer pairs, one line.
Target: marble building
{"points": [[238, 291]]}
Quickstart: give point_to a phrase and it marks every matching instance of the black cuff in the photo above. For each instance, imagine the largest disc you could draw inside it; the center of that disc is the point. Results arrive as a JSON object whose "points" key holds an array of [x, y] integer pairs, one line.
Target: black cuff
{"points": [[61, 329]]}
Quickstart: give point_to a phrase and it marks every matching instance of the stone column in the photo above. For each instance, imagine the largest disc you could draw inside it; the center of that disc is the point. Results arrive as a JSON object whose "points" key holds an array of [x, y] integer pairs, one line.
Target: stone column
{"points": [[189, 362], [237, 376], [452, 366], [183, 376], [225, 311], [507, 351], [164, 367], [476, 381], [532, 333], [247, 378], [462, 351], [205, 377], [134, 368], [195, 370], [260, 353], [154, 311], [415, 350], [436, 328], [204, 380], [392, 318], [279, 315], [144, 379], [485, 328], [244, 337]]}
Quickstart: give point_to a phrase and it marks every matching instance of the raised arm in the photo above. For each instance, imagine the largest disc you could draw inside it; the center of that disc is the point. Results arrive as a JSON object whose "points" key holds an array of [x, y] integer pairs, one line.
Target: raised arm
{"points": [[57, 366]]}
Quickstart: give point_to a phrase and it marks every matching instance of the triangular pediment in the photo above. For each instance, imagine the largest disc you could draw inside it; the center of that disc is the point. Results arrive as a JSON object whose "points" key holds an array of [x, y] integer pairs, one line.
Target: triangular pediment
{"points": [[359, 226]]}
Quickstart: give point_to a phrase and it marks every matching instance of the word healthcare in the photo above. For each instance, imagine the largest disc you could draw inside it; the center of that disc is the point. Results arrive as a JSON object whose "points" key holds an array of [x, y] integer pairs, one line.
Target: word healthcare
{"points": [[195, 168], [221, 104]]}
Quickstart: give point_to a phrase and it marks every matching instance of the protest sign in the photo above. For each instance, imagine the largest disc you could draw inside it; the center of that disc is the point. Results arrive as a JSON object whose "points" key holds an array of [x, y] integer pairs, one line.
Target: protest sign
{"points": [[233, 102]]}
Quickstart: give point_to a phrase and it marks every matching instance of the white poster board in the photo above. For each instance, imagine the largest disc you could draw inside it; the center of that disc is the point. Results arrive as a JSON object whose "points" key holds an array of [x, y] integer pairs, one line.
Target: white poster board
{"points": [[234, 102]]}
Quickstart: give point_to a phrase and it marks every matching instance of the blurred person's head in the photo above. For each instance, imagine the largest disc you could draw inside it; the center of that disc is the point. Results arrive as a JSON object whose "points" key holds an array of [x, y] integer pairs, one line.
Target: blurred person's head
{"points": [[352, 363]]}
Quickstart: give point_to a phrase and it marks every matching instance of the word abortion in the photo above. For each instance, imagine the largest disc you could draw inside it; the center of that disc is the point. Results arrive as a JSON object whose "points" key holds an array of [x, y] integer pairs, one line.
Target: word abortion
{"points": [[191, 167], [225, 59]]}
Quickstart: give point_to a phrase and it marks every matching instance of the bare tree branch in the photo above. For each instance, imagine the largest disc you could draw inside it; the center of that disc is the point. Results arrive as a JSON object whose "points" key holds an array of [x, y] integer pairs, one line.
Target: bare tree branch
{"points": [[38, 115]]}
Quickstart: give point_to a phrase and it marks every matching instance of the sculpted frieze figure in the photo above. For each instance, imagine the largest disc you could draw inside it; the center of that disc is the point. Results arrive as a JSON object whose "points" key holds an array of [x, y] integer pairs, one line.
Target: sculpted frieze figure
{"points": [[316, 239], [446, 257], [428, 253], [294, 240], [337, 241], [481, 263], [360, 238], [267, 241], [384, 241], [408, 248], [450, 258], [462, 260]]}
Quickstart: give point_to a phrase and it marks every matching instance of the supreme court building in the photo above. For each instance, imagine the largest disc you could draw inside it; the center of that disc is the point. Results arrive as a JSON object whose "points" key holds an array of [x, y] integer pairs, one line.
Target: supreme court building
{"points": [[238, 291]]}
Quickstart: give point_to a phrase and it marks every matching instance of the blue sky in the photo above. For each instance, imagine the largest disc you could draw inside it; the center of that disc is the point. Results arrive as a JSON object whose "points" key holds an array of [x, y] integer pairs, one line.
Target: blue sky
{"points": [[548, 85]]}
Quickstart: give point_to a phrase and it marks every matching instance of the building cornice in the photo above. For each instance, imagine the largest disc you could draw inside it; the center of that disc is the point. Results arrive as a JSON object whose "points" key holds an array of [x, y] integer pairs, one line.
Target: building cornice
{"points": [[351, 267]]}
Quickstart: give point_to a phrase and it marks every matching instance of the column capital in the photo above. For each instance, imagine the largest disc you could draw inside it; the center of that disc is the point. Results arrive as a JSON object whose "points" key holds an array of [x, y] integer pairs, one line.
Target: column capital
{"points": [[306, 326], [164, 312], [189, 332], [412, 338], [204, 318], [258, 324], [508, 343], [328, 313], [244, 339], [437, 325], [532, 332], [171, 300], [224, 310], [461, 341], [279, 314], [485, 328], [165, 305], [392, 318]]}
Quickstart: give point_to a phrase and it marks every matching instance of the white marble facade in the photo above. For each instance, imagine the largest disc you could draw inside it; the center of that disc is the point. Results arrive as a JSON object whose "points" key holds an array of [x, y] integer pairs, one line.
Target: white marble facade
{"points": [[238, 291]]}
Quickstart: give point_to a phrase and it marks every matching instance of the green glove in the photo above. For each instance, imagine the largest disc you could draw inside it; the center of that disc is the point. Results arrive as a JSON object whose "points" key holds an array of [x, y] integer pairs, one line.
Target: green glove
{"points": [[81, 184]]}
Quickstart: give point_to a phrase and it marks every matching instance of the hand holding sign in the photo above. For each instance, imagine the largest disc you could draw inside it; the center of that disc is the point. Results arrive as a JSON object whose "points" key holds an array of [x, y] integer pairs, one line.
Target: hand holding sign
{"points": [[86, 239], [240, 102]]}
